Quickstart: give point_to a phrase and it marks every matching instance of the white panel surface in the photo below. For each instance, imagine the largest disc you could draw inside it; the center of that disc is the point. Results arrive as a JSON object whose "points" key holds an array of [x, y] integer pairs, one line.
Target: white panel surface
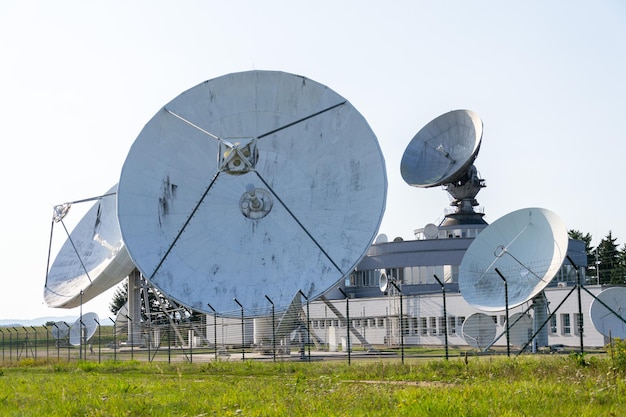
{"points": [[317, 166]]}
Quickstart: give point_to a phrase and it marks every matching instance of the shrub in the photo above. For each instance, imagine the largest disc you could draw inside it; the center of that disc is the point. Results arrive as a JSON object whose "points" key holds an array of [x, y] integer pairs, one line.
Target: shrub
{"points": [[617, 352]]}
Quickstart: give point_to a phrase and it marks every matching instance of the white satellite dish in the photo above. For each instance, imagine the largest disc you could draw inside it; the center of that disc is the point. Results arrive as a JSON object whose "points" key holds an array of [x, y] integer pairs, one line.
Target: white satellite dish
{"points": [[431, 231], [89, 326], [603, 319], [381, 238], [479, 330], [442, 151], [60, 330], [92, 259], [521, 328], [251, 184], [527, 246], [121, 320], [383, 281]]}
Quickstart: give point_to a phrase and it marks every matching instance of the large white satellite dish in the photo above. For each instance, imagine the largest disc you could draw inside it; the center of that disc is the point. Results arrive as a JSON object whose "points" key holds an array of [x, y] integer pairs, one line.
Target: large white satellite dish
{"points": [[92, 259], [479, 330], [89, 326], [527, 246], [442, 151], [603, 319], [251, 184]]}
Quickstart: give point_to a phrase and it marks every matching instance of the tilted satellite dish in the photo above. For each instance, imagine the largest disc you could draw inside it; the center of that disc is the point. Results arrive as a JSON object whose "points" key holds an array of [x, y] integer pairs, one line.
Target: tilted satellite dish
{"points": [[92, 259], [121, 320], [527, 246], [251, 184], [60, 330], [431, 231], [520, 329], [607, 323], [383, 281], [442, 151], [479, 330], [89, 326], [381, 238]]}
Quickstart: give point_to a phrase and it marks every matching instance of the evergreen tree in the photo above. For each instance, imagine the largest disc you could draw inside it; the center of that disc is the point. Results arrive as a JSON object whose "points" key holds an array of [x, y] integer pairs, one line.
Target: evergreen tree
{"points": [[120, 296], [611, 272]]}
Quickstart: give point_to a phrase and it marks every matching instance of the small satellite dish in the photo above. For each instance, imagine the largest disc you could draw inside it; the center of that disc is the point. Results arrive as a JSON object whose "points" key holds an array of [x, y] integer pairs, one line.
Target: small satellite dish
{"points": [[92, 259], [442, 151], [383, 281], [431, 231], [603, 319], [527, 246], [121, 320], [89, 327], [521, 329], [60, 330], [479, 330], [251, 184], [381, 238]]}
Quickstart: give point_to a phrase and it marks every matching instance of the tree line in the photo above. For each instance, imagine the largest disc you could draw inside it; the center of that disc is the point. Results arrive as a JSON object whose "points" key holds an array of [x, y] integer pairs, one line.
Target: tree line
{"points": [[607, 261]]}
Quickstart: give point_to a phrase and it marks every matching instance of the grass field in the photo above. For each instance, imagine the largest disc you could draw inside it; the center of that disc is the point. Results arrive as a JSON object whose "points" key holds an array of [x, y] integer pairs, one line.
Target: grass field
{"points": [[539, 385]]}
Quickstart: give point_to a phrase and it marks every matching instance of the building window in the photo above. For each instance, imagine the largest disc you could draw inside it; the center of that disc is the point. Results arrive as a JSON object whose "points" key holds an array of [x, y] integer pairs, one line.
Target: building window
{"points": [[381, 322], [404, 322], [565, 324], [577, 323], [433, 326], [553, 325], [442, 326], [460, 320], [424, 326], [451, 325]]}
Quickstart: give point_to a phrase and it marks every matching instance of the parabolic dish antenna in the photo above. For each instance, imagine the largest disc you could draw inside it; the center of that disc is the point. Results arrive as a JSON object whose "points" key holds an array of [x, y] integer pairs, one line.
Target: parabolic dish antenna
{"points": [[381, 238], [479, 330], [60, 330], [526, 246], [89, 326], [603, 319], [383, 281], [92, 259], [443, 150], [431, 231], [521, 329], [252, 184]]}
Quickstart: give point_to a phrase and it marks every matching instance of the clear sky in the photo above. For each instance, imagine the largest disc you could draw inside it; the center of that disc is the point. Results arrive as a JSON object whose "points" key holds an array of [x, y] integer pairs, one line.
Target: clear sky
{"points": [[79, 80]]}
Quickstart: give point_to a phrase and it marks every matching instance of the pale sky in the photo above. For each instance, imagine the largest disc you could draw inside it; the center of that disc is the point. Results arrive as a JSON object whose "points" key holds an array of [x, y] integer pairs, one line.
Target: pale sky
{"points": [[79, 80]]}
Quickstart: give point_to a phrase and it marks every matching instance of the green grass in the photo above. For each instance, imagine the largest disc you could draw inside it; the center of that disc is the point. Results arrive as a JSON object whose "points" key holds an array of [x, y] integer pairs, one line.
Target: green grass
{"points": [[541, 385]]}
